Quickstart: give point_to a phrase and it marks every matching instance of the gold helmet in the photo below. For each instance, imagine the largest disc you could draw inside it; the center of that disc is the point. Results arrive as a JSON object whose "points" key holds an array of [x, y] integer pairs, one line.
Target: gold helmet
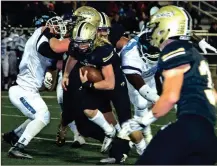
{"points": [[88, 14], [83, 36], [170, 22], [105, 24], [104, 20]]}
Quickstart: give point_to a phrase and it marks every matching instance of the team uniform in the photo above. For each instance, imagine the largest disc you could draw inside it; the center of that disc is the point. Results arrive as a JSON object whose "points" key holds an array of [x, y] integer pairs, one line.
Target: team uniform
{"points": [[133, 62], [102, 56], [25, 96], [32, 68], [77, 99], [191, 139]]}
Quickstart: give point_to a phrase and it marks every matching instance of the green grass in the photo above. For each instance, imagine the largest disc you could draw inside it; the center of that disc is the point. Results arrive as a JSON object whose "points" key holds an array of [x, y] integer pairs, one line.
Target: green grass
{"points": [[46, 152]]}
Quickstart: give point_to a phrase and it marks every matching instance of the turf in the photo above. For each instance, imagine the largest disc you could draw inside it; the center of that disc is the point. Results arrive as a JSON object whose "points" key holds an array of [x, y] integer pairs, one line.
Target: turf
{"points": [[44, 151]]}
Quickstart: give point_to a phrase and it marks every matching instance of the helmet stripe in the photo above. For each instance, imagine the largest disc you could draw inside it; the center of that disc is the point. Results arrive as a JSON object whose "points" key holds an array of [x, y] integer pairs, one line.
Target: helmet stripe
{"points": [[103, 18], [189, 20], [80, 28]]}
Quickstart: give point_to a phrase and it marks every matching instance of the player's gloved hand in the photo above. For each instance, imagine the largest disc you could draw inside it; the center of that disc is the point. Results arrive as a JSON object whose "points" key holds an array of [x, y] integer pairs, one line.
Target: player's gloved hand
{"points": [[147, 119], [204, 46], [48, 80], [130, 126]]}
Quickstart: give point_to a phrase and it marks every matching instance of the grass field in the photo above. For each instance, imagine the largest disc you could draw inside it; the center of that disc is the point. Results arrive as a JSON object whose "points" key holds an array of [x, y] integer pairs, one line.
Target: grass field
{"points": [[43, 148]]}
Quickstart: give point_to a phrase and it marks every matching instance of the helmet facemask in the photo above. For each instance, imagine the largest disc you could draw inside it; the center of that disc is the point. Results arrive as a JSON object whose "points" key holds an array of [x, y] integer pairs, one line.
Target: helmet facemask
{"points": [[83, 46], [83, 37], [58, 25]]}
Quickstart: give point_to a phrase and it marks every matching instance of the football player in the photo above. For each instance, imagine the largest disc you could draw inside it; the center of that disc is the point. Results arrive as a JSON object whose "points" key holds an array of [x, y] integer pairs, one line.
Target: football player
{"points": [[138, 51], [187, 82], [37, 56], [84, 13], [106, 64], [89, 14], [139, 63]]}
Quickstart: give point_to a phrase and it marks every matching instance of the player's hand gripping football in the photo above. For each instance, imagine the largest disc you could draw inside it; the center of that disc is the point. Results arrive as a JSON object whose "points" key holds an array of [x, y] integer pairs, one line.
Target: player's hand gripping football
{"points": [[48, 80], [84, 80], [204, 46]]}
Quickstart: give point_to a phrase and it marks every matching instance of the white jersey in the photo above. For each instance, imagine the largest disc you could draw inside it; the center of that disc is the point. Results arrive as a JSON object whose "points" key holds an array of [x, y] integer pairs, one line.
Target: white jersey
{"points": [[33, 65], [133, 61]]}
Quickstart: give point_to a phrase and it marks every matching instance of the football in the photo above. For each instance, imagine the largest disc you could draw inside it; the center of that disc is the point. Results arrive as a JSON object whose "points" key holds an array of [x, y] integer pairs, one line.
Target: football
{"points": [[93, 75]]}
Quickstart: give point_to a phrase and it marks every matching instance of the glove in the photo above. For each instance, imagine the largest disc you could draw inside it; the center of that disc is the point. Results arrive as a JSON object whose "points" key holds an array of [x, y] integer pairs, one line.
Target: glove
{"points": [[204, 45], [47, 80], [134, 124]]}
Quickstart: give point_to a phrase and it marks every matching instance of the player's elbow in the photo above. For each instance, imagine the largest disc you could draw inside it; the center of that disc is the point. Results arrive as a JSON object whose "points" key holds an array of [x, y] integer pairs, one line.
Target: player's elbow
{"points": [[54, 48], [111, 85]]}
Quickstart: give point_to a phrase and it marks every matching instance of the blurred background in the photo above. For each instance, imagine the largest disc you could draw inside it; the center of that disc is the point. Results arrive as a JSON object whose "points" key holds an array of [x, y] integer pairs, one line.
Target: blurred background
{"points": [[127, 18]]}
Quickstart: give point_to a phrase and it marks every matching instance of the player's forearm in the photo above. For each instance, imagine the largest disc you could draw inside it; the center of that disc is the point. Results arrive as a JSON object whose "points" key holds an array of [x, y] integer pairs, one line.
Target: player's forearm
{"points": [[109, 79], [162, 106], [104, 85], [136, 80], [59, 46], [69, 66], [215, 94]]}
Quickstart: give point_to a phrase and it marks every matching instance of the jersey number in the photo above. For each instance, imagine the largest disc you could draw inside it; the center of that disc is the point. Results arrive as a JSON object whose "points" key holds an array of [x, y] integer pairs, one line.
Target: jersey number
{"points": [[204, 71]]}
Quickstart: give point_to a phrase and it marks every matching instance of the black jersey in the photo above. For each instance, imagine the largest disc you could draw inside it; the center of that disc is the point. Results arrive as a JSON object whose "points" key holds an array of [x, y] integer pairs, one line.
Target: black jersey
{"points": [[196, 94], [102, 56]]}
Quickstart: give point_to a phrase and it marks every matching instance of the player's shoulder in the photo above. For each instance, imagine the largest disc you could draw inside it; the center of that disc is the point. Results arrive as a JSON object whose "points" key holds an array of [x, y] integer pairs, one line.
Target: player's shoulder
{"points": [[130, 47], [131, 44], [105, 50], [176, 47], [176, 53]]}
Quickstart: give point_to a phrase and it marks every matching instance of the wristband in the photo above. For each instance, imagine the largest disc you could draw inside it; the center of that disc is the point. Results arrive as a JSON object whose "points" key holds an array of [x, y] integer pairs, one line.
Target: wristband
{"points": [[88, 84], [148, 93]]}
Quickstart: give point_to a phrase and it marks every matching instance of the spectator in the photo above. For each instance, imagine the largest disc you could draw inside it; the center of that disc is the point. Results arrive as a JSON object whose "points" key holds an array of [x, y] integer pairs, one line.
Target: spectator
{"points": [[143, 21], [117, 29], [198, 27], [112, 8], [213, 39]]}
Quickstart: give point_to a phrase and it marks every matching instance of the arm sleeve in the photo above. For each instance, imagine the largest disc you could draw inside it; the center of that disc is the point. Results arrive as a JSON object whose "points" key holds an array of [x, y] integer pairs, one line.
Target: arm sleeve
{"points": [[43, 47], [130, 60], [107, 55]]}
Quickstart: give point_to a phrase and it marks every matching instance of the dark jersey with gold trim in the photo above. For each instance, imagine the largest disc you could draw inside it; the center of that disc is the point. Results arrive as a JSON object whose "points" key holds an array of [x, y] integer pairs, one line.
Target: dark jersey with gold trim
{"points": [[102, 56], [196, 94]]}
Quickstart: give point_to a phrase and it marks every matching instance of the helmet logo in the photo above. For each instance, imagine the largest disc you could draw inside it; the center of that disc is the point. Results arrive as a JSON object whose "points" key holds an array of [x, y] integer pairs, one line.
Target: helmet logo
{"points": [[87, 13], [165, 15]]}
